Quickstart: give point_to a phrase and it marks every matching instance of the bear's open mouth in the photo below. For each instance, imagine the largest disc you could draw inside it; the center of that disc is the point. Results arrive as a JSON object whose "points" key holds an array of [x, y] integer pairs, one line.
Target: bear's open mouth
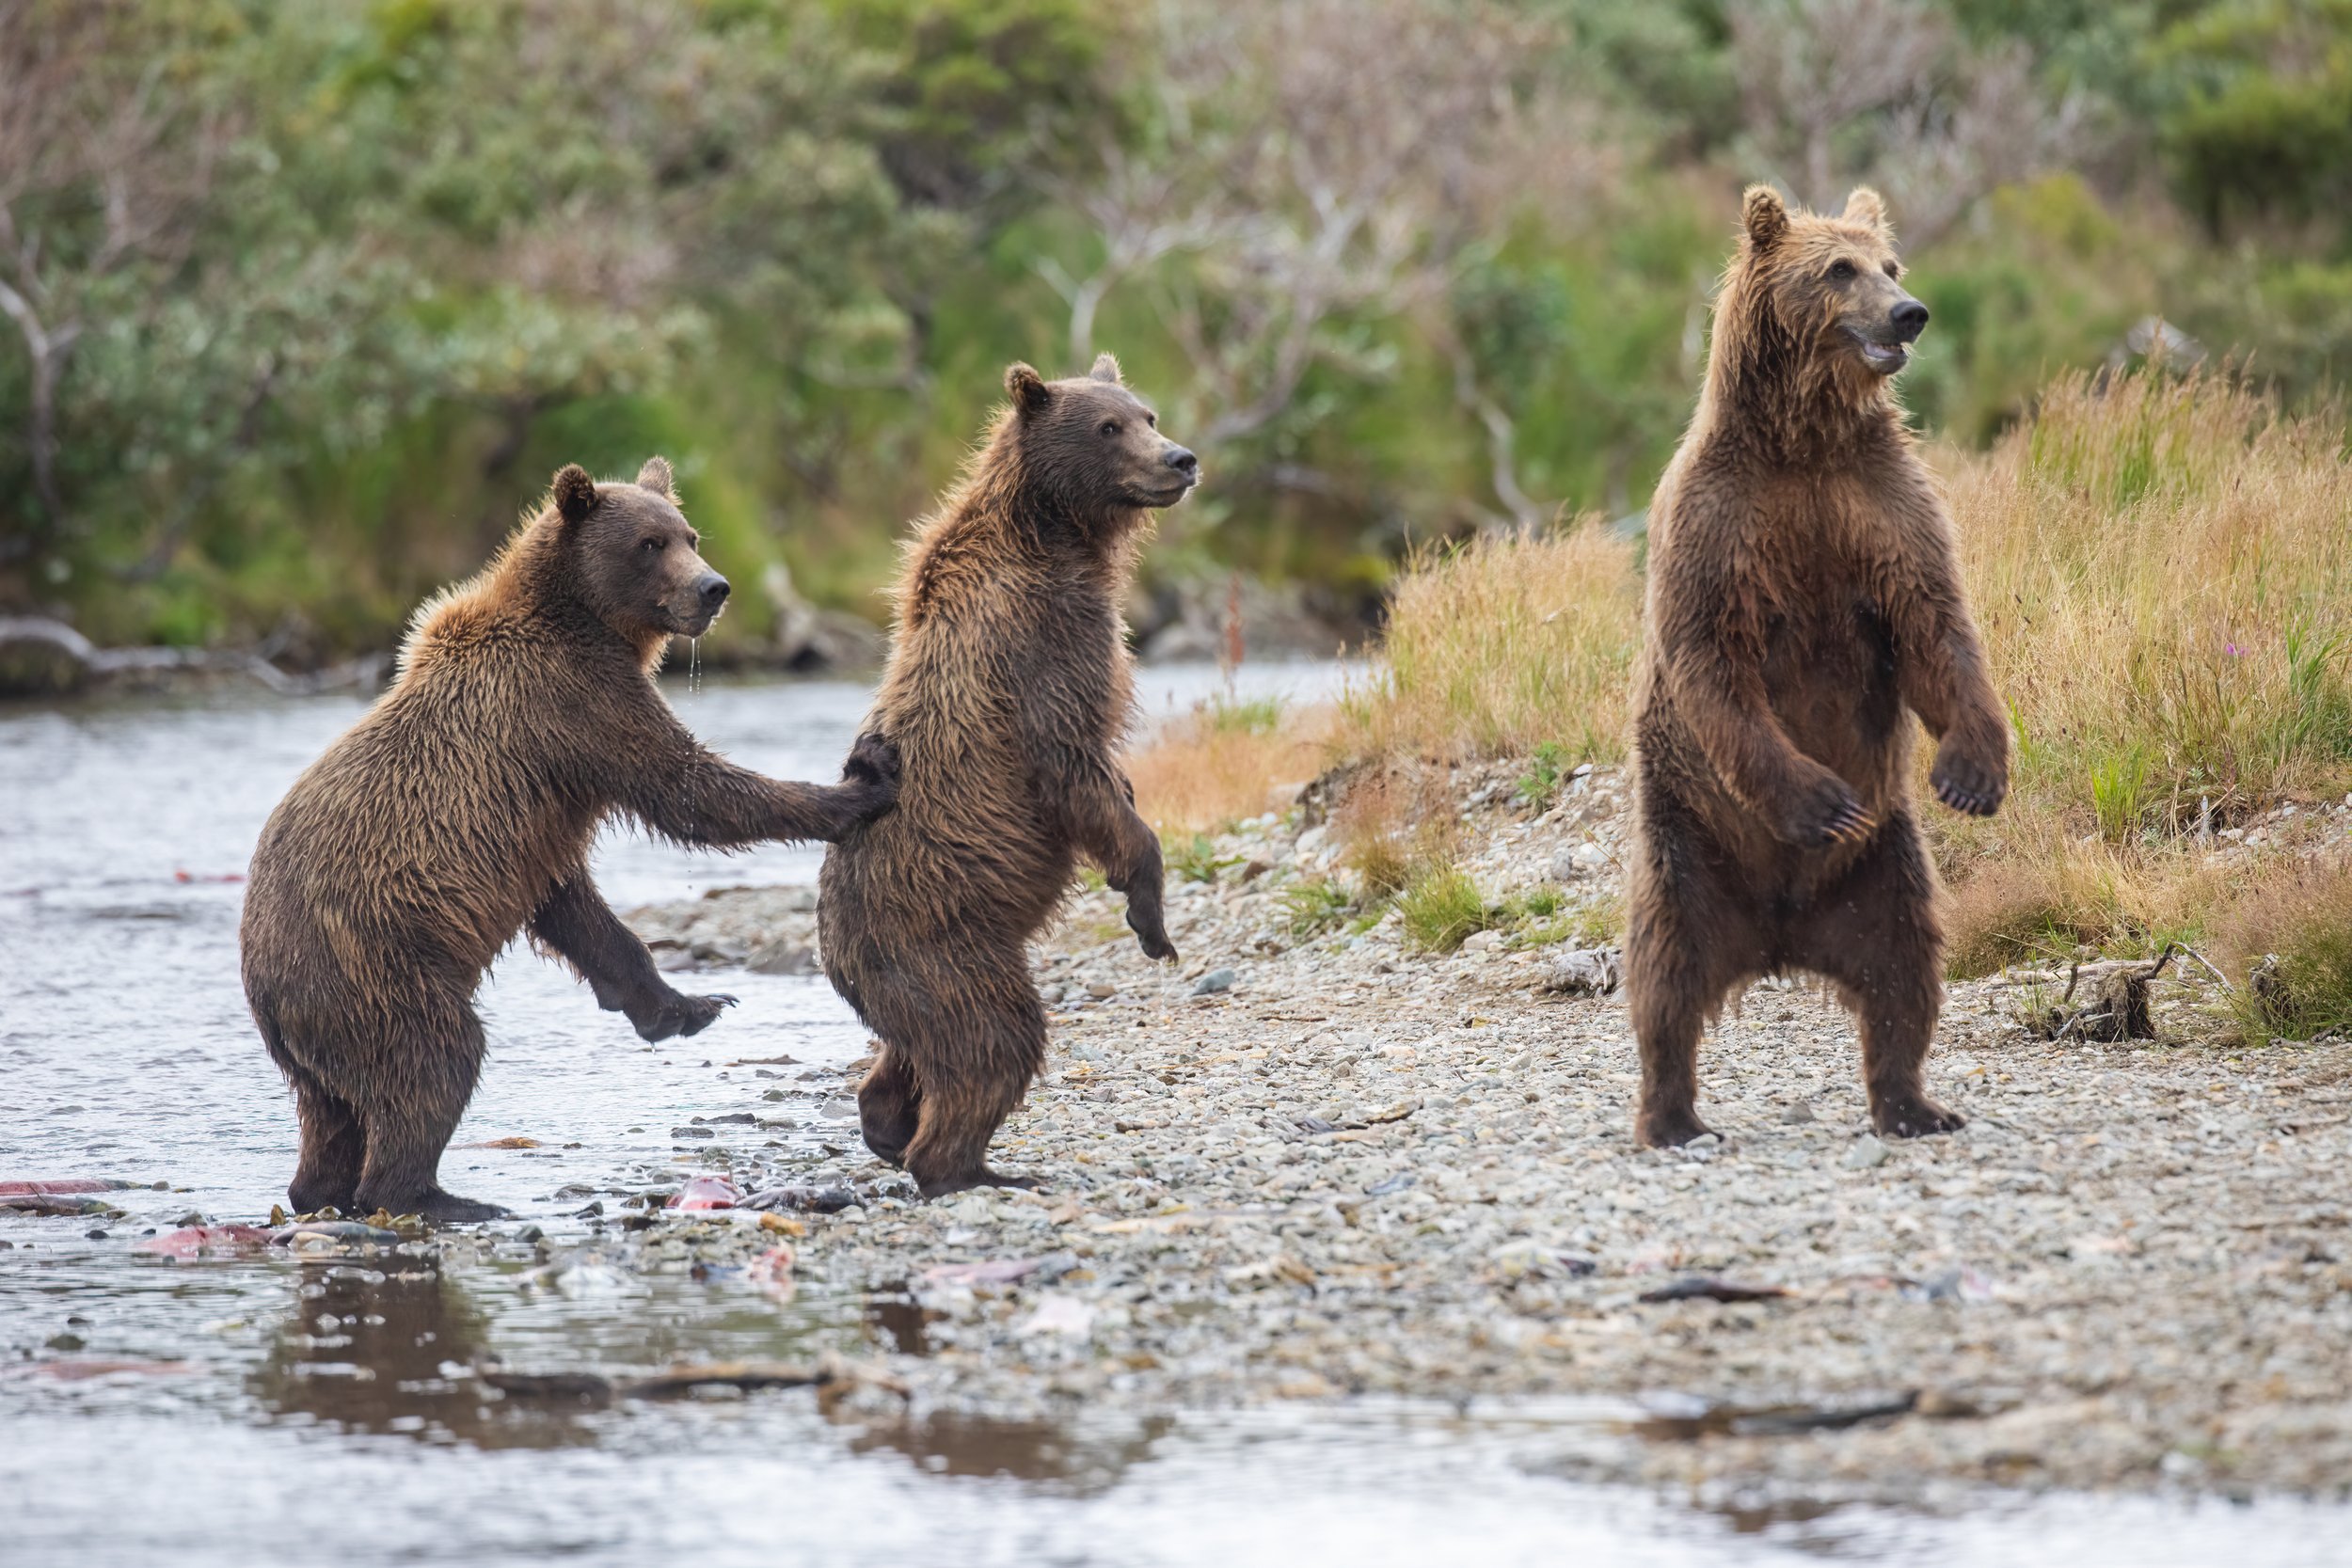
{"points": [[1884, 357]]}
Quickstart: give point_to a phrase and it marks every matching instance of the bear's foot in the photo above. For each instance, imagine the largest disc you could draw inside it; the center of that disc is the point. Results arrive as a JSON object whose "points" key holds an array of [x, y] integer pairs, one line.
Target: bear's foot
{"points": [[984, 1176], [1669, 1129], [1914, 1117], [444, 1208], [679, 1014], [308, 1196]]}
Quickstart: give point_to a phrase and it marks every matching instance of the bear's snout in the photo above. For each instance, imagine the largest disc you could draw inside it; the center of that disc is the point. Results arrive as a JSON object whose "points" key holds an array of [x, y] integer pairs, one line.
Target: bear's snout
{"points": [[1183, 461], [1908, 317], [710, 590]]}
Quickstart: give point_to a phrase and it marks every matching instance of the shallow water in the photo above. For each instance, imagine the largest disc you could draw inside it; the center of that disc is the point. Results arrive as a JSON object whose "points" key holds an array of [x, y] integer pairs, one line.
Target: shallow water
{"points": [[271, 1409]]}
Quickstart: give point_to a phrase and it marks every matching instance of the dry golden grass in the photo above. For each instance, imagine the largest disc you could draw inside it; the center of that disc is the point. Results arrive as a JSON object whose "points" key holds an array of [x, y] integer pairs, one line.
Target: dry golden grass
{"points": [[1496, 646], [1220, 763], [2162, 565], [2300, 930], [2162, 568]]}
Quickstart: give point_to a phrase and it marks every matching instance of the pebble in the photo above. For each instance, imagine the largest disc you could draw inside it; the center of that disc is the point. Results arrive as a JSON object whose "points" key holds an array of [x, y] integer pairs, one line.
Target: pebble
{"points": [[1215, 981], [1866, 1153]]}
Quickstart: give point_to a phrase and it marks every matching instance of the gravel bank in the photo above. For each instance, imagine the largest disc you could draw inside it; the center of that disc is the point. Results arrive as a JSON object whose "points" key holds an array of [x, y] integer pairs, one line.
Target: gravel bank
{"points": [[1322, 1168]]}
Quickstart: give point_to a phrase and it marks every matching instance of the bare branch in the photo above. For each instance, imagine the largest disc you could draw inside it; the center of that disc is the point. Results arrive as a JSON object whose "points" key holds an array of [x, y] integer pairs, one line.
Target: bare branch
{"points": [[1840, 91]]}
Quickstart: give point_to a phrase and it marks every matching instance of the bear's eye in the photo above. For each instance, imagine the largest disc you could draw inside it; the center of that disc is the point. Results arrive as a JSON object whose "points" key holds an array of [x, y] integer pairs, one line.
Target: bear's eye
{"points": [[1841, 271], [653, 544], [1151, 419], [1110, 427], [1894, 269]]}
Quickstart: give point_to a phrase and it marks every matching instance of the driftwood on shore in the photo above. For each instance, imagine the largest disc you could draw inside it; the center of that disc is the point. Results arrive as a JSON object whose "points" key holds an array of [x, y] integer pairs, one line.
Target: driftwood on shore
{"points": [[41, 658]]}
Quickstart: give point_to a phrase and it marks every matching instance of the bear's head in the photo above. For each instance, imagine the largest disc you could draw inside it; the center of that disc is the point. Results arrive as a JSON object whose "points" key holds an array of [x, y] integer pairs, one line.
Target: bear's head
{"points": [[632, 555], [1093, 448], [1813, 303]]}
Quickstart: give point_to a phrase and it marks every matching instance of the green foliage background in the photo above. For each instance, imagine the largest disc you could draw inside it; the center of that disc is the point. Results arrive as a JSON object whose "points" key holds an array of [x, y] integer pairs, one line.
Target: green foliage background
{"points": [[420, 252]]}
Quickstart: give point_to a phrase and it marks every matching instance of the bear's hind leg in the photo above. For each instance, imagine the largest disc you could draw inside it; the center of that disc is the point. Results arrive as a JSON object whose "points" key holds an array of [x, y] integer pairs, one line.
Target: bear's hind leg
{"points": [[890, 1106], [334, 1150], [1687, 942], [408, 1128], [1876, 935], [982, 1051]]}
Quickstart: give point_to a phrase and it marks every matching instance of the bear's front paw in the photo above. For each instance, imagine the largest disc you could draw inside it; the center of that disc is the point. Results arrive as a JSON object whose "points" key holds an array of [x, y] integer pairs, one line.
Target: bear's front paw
{"points": [[873, 759], [1828, 813], [1966, 783], [681, 1014], [1151, 934]]}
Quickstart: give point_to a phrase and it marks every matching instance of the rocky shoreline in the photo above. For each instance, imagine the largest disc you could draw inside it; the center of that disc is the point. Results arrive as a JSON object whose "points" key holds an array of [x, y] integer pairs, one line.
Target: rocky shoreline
{"points": [[1331, 1166]]}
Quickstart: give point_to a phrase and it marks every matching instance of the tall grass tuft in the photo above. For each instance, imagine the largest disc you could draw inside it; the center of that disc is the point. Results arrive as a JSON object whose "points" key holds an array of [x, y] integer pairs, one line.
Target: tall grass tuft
{"points": [[1441, 908], [1504, 644], [2164, 573], [2290, 950]]}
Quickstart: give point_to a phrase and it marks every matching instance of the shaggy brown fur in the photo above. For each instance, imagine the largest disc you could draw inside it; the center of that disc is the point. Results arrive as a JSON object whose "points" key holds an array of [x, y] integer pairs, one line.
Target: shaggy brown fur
{"points": [[1006, 694], [1803, 603], [461, 809]]}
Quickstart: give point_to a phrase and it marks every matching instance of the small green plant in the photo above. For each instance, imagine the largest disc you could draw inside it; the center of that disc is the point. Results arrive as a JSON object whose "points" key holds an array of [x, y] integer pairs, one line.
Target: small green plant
{"points": [[1315, 906], [1090, 879], [1538, 903], [1254, 716], [1550, 920], [2119, 793], [1441, 908], [1195, 859], [1541, 782]]}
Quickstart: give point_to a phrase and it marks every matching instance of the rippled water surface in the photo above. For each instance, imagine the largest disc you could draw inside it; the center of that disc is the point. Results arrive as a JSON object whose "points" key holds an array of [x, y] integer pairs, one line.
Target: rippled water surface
{"points": [[274, 1410]]}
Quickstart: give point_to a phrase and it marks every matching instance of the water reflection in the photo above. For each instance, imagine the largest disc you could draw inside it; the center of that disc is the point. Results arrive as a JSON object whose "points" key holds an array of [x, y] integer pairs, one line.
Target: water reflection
{"points": [[390, 1349], [1062, 1457]]}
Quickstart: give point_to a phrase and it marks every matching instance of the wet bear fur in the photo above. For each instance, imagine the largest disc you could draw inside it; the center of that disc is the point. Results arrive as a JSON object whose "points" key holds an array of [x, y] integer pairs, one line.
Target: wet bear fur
{"points": [[1006, 695], [460, 810], [1803, 604]]}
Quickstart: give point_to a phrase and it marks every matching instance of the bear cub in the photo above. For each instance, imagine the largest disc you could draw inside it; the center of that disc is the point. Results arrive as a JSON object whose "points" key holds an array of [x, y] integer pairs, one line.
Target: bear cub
{"points": [[461, 809], [1007, 694], [1803, 604]]}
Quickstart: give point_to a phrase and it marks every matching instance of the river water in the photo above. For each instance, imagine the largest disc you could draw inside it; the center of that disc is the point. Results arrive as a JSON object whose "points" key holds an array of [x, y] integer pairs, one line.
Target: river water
{"points": [[269, 1410]]}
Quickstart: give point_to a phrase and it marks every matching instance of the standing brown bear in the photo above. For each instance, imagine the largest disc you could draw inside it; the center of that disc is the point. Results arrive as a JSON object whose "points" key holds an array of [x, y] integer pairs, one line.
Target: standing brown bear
{"points": [[1803, 603], [460, 809], [1007, 694]]}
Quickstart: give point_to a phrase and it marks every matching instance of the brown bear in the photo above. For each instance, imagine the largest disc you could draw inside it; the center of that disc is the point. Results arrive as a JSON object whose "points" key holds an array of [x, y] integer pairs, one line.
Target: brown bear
{"points": [[460, 809], [1007, 694], [1803, 603]]}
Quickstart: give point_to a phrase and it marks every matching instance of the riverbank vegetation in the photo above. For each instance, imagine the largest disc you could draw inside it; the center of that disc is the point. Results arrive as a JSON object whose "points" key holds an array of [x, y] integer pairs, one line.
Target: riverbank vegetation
{"points": [[2164, 580], [303, 303]]}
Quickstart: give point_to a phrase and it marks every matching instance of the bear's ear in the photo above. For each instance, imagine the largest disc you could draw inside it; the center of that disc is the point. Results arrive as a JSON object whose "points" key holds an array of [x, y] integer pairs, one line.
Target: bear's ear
{"points": [[1106, 368], [1865, 206], [656, 475], [575, 492], [1028, 390], [1764, 217]]}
